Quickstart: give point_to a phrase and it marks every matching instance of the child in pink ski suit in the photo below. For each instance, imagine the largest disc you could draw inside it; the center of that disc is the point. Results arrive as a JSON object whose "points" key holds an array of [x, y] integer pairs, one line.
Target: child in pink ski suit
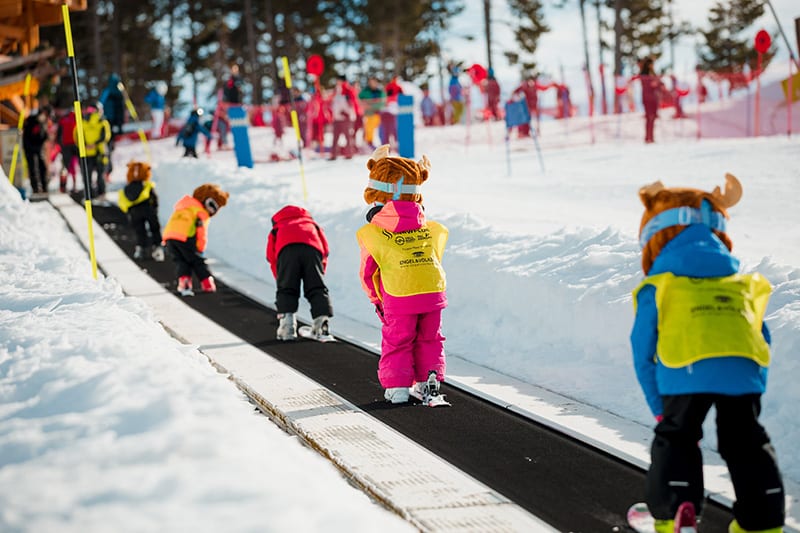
{"points": [[402, 274]]}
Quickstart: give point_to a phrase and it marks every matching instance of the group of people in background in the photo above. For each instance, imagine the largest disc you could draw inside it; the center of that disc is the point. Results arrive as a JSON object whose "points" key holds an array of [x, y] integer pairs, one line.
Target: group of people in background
{"points": [[359, 118], [49, 136]]}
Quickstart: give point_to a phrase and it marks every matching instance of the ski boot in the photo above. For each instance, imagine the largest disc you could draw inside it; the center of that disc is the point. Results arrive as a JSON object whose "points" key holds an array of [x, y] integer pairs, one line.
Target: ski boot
{"points": [[158, 254], [287, 327], [428, 391], [734, 527], [185, 286], [685, 521], [320, 326], [686, 518], [396, 394], [208, 284]]}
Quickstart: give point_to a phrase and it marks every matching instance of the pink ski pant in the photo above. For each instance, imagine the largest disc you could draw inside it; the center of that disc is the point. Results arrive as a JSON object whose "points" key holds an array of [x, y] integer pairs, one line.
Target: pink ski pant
{"points": [[411, 346]]}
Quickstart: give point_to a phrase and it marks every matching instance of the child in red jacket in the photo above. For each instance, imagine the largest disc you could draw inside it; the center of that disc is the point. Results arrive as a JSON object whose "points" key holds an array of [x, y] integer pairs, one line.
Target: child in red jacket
{"points": [[297, 250]]}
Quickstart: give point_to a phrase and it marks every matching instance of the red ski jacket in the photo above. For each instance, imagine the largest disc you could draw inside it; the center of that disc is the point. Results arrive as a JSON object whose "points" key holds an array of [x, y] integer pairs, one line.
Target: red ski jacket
{"points": [[293, 225]]}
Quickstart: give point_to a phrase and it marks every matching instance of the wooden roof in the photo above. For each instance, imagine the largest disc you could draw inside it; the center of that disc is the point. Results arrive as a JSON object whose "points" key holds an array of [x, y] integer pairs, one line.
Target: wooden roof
{"points": [[20, 21]]}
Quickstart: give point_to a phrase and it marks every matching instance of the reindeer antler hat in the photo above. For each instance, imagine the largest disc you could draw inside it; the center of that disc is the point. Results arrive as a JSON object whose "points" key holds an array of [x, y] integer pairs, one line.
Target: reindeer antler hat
{"points": [[670, 211], [395, 178]]}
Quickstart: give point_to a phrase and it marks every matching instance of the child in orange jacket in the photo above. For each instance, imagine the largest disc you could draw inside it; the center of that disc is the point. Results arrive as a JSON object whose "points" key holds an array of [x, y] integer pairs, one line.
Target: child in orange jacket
{"points": [[186, 236]]}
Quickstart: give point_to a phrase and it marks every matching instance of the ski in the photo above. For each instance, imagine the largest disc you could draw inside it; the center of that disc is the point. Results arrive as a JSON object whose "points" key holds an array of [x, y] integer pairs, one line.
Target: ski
{"points": [[307, 333], [640, 519]]}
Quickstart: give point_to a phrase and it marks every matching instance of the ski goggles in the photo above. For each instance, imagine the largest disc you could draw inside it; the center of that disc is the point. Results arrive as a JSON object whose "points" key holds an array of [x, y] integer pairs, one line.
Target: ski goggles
{"points": [[682, 216]]}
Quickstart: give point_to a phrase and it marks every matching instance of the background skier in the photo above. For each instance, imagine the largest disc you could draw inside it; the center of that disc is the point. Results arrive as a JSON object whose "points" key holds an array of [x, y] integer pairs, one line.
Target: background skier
{"points": [[189, 133]]}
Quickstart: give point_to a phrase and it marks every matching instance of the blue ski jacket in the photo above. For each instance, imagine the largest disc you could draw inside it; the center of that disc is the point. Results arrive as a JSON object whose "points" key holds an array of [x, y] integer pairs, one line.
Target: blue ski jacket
{"points": [[190, 131], [695, 252]]}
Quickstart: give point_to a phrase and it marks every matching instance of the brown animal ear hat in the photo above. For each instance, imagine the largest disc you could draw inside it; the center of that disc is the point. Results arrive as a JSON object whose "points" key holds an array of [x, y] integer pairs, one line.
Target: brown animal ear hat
{"points": [[211, 196], [138, 171], [667, 212], [395, 178]]}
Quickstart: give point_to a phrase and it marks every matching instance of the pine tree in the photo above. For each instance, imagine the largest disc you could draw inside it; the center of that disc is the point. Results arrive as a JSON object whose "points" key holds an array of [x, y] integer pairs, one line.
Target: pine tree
{"points": [[641, 28], [98, 36], [528, 29], [728, 43], [398, 38]]}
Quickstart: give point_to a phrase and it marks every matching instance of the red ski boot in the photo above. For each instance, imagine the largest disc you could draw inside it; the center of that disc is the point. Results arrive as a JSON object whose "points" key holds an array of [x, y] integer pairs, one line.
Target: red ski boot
{"points": [[185, 286], [686, 519], [208, 284]]}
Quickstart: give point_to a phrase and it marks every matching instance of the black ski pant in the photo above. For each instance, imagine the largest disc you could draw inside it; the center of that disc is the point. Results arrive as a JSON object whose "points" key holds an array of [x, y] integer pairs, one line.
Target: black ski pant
{"points": [[37, 169], [186, 258], [144, 220], [95, 168], [301, 263], [676, 470]]}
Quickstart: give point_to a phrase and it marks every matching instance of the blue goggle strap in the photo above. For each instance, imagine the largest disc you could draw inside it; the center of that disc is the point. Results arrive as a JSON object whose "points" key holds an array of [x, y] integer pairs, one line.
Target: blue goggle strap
{"points": [[682, 216], [396, 189]]}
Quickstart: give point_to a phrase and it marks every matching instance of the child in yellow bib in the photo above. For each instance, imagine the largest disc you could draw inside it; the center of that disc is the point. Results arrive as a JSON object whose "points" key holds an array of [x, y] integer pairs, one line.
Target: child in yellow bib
{"points": [[401, 273], [699, 340]]}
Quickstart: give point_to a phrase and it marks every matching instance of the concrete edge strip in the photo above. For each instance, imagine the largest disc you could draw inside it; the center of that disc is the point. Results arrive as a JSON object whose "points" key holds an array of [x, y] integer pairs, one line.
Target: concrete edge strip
{"points": [[422, 488]]}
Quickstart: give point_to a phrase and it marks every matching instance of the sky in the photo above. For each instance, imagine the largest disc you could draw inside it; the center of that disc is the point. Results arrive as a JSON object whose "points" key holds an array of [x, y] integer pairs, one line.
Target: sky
{"points": [[83, 369]]}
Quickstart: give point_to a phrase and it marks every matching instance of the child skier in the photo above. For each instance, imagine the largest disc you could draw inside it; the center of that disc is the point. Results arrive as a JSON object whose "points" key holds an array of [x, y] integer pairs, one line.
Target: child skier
{"points": [[402, 274], [186, 236], [699, 339], [297, 250], [189, 133], [139, 200]]}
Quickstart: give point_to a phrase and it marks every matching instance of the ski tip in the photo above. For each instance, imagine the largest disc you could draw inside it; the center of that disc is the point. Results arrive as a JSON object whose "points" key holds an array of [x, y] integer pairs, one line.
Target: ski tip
{"points": [[438, 401], [640, 519], [686, 518]]}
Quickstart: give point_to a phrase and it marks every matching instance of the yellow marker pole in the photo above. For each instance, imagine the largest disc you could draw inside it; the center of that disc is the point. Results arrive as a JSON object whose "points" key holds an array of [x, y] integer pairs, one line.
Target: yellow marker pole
{"points": [[87, 185], [296, 123], [15, 154], [132, 111]]}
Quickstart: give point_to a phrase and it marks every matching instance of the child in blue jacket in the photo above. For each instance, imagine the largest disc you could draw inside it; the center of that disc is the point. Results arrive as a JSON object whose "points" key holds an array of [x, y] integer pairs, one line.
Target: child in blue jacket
{"points": [[189, 133], [699, 340]]}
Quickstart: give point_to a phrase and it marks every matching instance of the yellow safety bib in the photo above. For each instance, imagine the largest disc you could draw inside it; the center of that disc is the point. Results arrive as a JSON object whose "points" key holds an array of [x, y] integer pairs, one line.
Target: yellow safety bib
{"points": [[183, 222], [410, 262], [702, 318], [125, 204]]}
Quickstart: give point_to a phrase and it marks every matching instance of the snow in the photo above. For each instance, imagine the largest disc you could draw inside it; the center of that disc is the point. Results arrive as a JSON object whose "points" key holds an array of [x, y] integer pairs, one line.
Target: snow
{"points": [[105, 419], [106, 422]]}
